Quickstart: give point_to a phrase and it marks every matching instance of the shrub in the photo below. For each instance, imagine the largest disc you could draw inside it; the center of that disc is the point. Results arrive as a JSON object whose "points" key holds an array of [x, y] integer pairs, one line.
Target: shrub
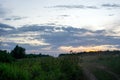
{"points": [[5, 57]]}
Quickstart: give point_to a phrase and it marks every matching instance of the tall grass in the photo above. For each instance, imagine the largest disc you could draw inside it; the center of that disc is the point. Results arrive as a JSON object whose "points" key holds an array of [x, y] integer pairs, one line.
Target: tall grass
{"points": [[11, 72], [47, 68]]}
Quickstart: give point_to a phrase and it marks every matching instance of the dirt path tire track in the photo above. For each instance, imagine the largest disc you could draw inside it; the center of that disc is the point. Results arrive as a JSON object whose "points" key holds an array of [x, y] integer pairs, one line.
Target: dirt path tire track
{"points": [[88, 74], [102, 67]]}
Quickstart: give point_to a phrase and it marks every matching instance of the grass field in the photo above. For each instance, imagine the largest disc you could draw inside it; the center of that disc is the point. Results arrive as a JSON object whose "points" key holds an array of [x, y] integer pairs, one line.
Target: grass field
{"points": [[104, 67], [47, 68]]}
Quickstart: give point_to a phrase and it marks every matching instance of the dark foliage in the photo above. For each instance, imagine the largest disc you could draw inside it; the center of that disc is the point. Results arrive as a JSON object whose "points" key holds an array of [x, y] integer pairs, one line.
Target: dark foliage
{"points": [[5, 56], [18, 52], [36, 55]]}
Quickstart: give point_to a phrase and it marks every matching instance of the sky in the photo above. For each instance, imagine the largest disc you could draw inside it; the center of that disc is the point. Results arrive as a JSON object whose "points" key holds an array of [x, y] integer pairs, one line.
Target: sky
{"points": [[58, 26]]}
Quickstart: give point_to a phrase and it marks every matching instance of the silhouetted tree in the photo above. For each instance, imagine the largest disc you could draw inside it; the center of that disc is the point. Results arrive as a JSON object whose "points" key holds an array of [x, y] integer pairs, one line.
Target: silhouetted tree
{"points": [[18, 52], [71, 52]]}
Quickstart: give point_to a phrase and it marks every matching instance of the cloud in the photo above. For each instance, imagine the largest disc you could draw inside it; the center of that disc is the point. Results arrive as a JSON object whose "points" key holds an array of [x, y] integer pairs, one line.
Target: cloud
{"points": [[64, 15], [3, 26], [32, 41], [111, 14], [92, 7], [35, 28], [58, 39], [75, 6], [113, 29], [14, 18], [69, 6], [5, 29], [86, 6], [25, 40], [111, 5]]}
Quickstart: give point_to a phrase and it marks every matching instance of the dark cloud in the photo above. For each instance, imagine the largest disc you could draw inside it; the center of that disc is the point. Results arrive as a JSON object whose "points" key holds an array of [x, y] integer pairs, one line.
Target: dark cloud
{"points": [[92, 7], [49, 23], [70, 36], [86, 6], [77, 38], [15, 18], [65, 15], [111, 5], [69, 6], [111, 14], [5, 29], [5, 26], [8, 19], [35, 28], [75, 6], [55, 37]]}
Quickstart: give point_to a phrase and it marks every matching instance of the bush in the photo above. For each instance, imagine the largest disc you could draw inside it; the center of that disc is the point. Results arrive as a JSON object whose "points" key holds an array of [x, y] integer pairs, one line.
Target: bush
{"points": [[5, 57]]}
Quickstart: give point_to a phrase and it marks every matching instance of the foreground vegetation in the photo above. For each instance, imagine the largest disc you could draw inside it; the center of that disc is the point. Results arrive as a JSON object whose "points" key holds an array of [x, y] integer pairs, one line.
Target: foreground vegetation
{"points": [[103, 65], [14, 66], [46, 68]]}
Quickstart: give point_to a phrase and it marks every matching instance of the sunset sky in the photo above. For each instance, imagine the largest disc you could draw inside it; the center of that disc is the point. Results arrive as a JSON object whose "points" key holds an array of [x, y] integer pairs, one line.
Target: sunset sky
{"points": [[58, 26]]}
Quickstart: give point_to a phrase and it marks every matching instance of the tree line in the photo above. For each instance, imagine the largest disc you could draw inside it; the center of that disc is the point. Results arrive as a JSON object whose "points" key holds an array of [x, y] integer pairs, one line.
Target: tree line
{"points": [[17, 53], [92, 53]]}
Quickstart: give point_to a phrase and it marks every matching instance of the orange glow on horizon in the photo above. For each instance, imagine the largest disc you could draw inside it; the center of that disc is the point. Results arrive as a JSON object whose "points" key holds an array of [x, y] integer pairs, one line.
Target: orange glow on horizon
{"points": [[92, 50], [88, 48]]}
